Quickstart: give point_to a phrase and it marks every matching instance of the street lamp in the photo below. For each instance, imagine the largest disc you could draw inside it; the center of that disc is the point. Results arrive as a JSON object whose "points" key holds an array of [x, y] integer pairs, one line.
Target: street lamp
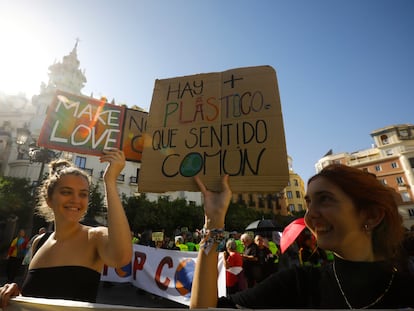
{"points": [[32, 152], [22, 137], [43, 156]]}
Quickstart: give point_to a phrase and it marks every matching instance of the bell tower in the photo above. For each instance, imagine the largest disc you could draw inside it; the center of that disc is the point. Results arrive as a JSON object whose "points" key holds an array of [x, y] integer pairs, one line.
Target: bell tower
{"points": [[64, 76]]}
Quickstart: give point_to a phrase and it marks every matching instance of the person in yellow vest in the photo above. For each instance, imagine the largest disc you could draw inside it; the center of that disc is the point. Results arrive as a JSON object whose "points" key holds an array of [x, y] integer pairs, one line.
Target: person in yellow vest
{"points": [[179, 242], [309, 252], [196, 240], [190, 243], [239, 245], [275, 252], [135, 239]]}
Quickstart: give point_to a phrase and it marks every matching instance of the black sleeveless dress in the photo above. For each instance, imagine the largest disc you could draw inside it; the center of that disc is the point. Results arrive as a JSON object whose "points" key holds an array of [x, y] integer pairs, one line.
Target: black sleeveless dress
{"points": [[64, 282]]}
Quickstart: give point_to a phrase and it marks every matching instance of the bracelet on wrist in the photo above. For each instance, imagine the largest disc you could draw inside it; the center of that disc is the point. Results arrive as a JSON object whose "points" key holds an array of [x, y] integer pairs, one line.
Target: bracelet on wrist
{"points": [[211, 236]]}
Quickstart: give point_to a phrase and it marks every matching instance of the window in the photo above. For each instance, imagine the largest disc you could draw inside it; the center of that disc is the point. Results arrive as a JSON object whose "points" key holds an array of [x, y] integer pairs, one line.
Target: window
{"points": [[394, 165], [405, 196], [384, 181], [298, 194], [269, 201], [289, 195], [295, 181], [261, 201], [138, 174], [411, 212], [377, 168], [291, 207], [300, 207], [80, 162], [251, 202], [400, 181], [389, 152], [384, 139], [411, 162]]}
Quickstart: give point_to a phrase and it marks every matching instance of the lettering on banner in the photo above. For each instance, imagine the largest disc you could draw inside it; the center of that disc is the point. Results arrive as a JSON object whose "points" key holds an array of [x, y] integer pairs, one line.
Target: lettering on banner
{"points": [[163, 272], [138, 265]]}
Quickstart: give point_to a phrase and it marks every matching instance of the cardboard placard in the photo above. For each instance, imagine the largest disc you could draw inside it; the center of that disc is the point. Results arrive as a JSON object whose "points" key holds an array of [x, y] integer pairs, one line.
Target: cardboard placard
{"points": [[157, 236], [215, 124], [88, 126]]}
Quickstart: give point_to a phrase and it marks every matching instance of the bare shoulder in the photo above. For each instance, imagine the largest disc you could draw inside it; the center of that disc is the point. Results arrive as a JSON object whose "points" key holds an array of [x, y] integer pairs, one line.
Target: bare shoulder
{"points": [[97, 233]]}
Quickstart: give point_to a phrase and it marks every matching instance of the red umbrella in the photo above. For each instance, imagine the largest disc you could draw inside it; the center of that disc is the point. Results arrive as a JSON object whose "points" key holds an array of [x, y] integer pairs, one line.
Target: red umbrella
{"points": [[291, 232]]}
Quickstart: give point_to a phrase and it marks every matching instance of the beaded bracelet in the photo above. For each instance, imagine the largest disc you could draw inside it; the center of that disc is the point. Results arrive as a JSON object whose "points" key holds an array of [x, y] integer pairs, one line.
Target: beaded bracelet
{"points": [[211, 236]]}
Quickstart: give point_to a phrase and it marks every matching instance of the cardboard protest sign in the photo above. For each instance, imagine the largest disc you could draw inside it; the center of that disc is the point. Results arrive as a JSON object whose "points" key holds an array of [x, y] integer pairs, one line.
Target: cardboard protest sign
{"points": [[215, 124], [87, 125], [157, 236], [132, 144]]}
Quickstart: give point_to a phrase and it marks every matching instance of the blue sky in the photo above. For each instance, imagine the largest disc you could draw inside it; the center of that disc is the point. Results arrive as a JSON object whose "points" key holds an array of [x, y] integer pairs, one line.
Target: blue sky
{"points": [[345, 68]]}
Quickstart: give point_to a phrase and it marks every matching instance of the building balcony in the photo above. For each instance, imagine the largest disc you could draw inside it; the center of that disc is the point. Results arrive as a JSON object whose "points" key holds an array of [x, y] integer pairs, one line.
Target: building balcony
{"points": [[360, 160]]}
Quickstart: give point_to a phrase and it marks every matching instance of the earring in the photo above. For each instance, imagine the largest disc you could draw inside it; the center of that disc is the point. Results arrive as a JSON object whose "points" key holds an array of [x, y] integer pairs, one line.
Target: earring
{"points": [[366, 227]]}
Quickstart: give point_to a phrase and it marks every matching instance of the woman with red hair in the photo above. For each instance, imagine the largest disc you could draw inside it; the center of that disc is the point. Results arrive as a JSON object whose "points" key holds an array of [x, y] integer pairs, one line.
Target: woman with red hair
{"points": [[350, 213]]}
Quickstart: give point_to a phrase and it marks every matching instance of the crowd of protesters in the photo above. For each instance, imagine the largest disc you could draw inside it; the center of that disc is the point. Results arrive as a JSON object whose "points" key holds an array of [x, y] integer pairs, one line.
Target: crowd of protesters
{"points": [[249, 257]]}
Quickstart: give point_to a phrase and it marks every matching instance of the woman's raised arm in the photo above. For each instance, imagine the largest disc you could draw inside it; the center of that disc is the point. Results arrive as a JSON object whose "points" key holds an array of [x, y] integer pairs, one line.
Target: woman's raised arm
{"points": [[116, 247], [204, 291]]}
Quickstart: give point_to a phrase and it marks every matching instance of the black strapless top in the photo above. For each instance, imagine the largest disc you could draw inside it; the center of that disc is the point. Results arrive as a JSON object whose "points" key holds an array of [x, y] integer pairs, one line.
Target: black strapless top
{"points": [[64, 282]]}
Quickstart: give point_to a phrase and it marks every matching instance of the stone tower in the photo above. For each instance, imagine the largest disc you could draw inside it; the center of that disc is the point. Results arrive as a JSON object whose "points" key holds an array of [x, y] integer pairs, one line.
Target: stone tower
{"points": [[64, 76]]}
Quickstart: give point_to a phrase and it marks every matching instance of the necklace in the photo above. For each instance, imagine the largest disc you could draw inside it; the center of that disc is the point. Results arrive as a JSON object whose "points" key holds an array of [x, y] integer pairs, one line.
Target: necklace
{"points": [[372, 303]]}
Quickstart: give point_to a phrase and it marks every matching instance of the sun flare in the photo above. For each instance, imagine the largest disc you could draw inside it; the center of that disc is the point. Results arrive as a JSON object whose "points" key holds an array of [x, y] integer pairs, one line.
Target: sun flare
{"points": [[23, 60]]}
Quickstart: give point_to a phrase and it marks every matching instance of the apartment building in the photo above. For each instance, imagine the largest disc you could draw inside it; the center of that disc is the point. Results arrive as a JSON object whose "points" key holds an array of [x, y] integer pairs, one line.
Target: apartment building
{"points": [[391, 159]]}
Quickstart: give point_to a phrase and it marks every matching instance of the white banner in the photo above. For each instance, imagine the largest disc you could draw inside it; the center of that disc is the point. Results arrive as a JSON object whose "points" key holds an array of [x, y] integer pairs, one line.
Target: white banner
{"points": [[162, 272], [165, 273]]}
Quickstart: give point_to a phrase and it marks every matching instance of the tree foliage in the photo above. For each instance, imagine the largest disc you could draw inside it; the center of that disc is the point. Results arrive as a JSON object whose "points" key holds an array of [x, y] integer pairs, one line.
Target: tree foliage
{"points": [[16, 199], [168, 215], [163, 214], [239, 216], [95, 206]]}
